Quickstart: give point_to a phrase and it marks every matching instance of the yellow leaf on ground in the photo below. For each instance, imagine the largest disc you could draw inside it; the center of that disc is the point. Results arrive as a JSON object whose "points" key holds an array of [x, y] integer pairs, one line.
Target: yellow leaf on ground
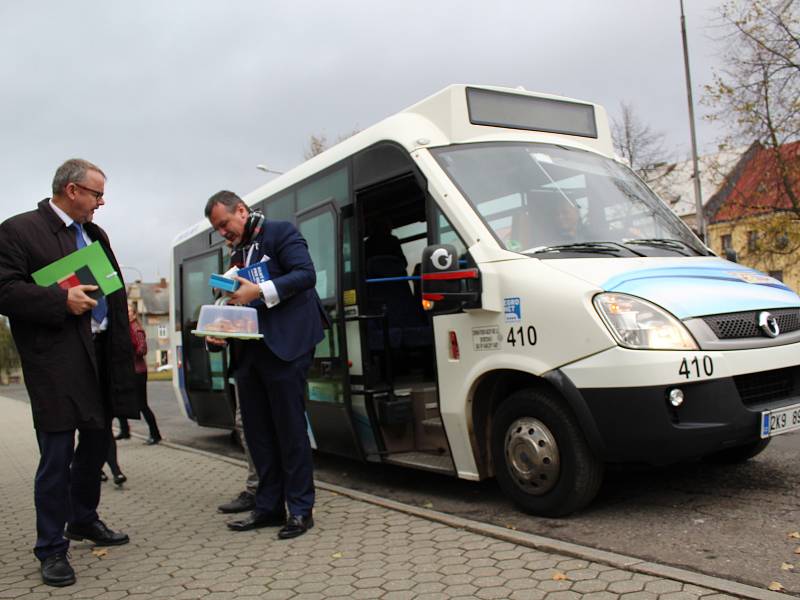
{"points": [[795, 535], [510, 526], [797, 550], [775, 587], [787, 567], [559, 576], [99, 552], [336, 555], [427, 505]]}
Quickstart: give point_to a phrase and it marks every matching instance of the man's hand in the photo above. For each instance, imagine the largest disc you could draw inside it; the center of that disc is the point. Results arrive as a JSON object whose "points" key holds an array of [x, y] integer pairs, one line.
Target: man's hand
{"points": [[77, 300], [215, 341], [245, 293]]}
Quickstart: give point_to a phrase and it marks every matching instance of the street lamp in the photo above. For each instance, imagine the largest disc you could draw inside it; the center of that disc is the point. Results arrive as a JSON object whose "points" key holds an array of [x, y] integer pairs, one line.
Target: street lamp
{"points": [[268, 170], [700, 221], [141, 277]]}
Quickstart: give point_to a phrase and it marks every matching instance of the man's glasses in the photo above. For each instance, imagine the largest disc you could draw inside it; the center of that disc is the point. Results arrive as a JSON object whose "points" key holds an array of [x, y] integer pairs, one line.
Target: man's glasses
{"points": [[97, 195]]}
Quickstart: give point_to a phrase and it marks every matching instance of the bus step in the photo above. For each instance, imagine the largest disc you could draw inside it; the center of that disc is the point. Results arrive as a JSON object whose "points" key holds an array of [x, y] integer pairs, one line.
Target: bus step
{"points": [[433, 423], [438, 463]]}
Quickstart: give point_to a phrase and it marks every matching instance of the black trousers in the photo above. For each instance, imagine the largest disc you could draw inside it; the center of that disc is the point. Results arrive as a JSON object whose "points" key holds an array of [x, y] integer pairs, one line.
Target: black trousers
{"points": [[272, 399], [67, 484], [66, 472], [149, 417]]}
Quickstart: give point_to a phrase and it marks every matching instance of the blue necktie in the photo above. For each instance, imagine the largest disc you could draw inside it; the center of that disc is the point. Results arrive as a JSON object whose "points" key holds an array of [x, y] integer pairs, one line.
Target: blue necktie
{"points": [[98, 312]]}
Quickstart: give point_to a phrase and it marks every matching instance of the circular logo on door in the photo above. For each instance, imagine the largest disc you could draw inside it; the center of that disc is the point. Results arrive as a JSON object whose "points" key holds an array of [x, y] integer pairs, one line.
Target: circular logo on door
{"points": [[441, 259]]}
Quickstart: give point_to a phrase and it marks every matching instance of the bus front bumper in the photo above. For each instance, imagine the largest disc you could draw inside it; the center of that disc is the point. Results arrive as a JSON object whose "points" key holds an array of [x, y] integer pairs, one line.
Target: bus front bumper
{"points": [[626, 392]]}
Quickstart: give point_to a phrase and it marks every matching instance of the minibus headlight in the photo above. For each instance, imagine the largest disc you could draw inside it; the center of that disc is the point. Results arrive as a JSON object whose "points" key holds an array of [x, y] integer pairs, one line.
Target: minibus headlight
{"points": [[638, 324]]}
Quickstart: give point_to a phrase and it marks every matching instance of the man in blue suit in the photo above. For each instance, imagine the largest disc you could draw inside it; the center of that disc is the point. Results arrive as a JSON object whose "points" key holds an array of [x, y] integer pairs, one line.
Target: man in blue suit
{"points": [[271, 374]]}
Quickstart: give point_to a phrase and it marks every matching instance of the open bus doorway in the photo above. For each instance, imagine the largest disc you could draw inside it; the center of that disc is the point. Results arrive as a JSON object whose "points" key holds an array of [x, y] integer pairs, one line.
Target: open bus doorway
{"points": [[397, 334]]}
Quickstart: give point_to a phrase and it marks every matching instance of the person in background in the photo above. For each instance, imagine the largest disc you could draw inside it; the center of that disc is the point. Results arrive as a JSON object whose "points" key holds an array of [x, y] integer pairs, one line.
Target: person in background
{"points": [[77, 362], [111, 460], [139, 341]]}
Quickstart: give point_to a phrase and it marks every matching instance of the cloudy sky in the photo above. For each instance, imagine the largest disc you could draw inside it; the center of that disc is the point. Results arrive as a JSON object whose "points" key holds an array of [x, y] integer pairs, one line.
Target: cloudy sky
{"points": [[176, 100]]}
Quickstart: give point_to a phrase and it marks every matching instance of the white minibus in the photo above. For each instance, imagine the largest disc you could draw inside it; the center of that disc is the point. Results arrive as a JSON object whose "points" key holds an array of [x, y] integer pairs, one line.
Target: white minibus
{"points": [[508, 300]]}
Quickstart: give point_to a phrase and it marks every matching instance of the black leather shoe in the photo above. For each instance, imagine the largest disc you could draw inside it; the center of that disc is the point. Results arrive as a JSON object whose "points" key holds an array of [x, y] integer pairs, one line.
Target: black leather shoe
{"points": [[242, 503], [257, 520], [56, 570], [123, 435], [96, 532], [120, 479], [103, 476], [152, 440], [296, 525]]}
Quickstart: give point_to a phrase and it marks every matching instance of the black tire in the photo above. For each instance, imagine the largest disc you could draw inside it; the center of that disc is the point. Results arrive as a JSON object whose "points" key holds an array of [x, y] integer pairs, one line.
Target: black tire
{"points": [[545, 464], [739, 454]]}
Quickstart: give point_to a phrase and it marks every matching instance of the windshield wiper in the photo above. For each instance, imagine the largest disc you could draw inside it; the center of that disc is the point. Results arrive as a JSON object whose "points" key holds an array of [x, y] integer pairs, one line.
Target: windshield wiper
{"points": [[671, 244], [612, 248]]}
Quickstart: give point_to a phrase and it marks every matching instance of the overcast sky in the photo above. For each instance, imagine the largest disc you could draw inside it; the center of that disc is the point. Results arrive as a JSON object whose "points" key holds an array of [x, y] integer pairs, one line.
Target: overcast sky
{"points": [[176, 100]]}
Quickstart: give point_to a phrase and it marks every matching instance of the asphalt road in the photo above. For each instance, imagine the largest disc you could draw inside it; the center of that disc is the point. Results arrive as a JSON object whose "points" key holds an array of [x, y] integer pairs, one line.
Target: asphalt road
{"points": [[727, 521]]}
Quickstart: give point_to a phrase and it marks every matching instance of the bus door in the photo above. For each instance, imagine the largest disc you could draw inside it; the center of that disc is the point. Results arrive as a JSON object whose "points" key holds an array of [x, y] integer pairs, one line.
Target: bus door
{"points": [[209, 393], [329, 407], [397, 346]]}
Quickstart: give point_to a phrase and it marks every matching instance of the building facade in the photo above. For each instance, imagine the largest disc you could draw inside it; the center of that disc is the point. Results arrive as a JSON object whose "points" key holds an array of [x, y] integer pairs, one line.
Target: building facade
{"points": [[754, 216]]}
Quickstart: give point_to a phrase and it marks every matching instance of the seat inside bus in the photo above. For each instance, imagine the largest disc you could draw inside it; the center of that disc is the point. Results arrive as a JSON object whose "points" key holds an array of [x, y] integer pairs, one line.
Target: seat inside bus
{"points": [[407, 325]]}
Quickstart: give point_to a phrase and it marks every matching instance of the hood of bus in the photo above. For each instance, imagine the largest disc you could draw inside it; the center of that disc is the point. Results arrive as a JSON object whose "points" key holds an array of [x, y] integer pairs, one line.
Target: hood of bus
{"points": [[688, 287]]}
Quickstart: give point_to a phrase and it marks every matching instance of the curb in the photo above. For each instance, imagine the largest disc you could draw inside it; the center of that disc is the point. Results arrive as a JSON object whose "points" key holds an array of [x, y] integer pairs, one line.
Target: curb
{"points": [[529, 540]]}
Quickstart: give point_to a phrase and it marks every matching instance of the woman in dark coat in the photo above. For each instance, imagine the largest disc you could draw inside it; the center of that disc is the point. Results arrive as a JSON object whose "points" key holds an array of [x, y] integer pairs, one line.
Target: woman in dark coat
{"points": [[139, 341]]}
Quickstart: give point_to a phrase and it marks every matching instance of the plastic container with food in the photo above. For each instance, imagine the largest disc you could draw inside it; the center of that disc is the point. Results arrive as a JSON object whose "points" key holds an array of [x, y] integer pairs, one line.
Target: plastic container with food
{"points": [[225, 321]]}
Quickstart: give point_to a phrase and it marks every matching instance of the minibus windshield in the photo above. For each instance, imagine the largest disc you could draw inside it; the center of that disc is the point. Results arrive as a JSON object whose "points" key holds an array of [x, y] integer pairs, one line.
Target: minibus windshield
{"points": [[554, 202]]}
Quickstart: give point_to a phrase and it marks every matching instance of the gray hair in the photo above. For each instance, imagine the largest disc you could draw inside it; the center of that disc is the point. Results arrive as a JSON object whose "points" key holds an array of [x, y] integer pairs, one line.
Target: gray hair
{"points": [[228, 199], [73, 171]]}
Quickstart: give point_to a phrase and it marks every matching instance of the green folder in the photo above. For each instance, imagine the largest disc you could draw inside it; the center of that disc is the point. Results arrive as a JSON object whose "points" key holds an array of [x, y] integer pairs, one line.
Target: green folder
{"points": [[91, 258]]}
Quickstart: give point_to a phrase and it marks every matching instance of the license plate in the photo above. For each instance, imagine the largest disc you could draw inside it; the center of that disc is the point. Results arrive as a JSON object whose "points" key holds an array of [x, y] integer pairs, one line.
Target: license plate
{"points": [[781, 420]]}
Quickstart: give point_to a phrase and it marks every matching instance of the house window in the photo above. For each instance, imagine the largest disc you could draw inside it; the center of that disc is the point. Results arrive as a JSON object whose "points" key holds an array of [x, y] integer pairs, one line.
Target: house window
{"points": [[752, 240], [162, 331], [727, 243], [776, 275]]}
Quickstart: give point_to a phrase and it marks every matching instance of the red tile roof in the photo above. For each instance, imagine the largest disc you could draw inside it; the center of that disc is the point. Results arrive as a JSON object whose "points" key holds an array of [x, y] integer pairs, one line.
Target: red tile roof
{"points": [[755, 185]]}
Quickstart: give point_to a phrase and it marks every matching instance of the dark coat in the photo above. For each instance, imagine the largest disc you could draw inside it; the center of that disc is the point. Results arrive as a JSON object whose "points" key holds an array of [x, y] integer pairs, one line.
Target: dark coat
{"points": [[55, 346]]}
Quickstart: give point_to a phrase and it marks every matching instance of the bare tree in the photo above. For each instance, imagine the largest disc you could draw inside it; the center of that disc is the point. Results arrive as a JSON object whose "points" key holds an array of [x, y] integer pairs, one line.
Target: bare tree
{"points": [[317, 144], [756, 95], [639, 145]]}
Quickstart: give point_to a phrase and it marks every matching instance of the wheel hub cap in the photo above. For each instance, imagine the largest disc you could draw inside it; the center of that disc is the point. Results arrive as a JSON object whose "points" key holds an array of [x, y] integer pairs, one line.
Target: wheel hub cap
{"points": [[532, 455]]}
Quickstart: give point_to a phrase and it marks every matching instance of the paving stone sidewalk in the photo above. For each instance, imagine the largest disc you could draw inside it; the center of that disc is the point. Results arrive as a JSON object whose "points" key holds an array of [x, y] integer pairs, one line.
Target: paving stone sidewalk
{"points": [[180, 547]]}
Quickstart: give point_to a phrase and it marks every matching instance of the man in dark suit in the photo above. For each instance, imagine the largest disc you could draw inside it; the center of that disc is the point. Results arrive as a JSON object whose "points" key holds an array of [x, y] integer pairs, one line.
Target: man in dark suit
{"points": [[74, 350], [271, 374]]}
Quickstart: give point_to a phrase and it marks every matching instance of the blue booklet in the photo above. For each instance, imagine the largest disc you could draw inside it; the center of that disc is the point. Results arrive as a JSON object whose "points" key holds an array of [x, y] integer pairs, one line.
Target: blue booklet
{"points": [[257, 273]]}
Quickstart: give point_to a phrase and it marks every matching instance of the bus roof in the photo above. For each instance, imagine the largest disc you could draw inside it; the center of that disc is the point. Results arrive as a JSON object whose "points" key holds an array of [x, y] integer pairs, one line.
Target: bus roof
{"points": [[460, 114]]}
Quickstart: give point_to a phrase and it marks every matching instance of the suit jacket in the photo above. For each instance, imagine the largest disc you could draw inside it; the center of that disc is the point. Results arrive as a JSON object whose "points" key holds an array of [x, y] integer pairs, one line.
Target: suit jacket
{"points": [[55, 346], [295, 325]]}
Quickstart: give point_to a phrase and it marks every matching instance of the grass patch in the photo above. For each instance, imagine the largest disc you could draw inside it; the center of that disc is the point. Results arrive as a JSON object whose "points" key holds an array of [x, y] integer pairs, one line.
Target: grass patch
{"points": [[162, 376]]}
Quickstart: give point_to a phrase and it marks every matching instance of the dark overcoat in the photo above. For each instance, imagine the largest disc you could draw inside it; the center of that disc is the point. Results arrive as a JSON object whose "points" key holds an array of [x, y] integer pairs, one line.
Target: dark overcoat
{"points": [[55, 346]]}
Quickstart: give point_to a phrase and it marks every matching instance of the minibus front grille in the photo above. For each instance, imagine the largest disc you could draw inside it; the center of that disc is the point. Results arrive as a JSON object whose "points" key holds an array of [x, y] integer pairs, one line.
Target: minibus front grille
{"points": [[745, 324], [755, 388]]}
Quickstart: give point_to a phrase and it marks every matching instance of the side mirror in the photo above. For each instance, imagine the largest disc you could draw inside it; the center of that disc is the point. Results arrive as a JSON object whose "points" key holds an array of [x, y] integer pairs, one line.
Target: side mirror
{"points": [[730, 254], [445, 283]]}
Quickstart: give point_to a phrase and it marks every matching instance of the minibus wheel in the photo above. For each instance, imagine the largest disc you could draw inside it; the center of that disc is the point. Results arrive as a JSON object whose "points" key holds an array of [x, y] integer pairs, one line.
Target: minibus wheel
{"points": [[541, 458]]}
